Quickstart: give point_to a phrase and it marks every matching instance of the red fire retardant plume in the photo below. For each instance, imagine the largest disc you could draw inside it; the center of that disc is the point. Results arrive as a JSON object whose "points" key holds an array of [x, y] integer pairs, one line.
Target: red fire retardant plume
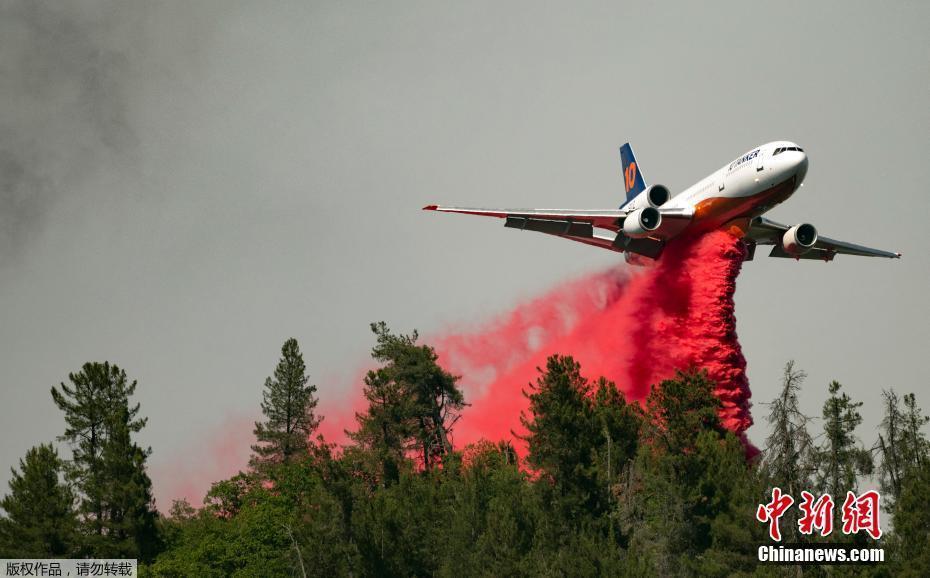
{"points": [[635, 328]]}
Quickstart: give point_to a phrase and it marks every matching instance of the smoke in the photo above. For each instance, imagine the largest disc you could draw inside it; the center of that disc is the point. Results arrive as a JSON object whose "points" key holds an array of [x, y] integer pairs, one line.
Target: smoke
{"points": [[633, 328], [64, 109], [79, 83]]}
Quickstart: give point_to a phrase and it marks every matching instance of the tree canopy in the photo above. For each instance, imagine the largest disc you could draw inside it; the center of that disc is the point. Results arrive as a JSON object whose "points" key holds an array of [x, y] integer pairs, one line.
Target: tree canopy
{"points": [[40, 518], [288, 404], [594, 485]]}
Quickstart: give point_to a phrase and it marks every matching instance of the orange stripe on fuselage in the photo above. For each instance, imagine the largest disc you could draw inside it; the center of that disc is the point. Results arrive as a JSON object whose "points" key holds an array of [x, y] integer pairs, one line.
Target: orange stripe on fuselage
{"points": [[714, 212]]}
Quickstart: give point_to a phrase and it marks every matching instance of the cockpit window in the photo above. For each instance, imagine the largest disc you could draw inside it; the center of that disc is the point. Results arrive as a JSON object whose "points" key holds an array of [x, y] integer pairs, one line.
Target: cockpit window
{"points": [[780, 150]]}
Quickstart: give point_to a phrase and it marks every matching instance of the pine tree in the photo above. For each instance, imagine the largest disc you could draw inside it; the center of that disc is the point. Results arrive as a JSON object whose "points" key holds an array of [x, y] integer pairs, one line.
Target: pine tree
{"points": [[840, 457], [686, 501], [413, 402], [95, 393], [40, 520], [384, 428], [129, 523], [902, 445], [724, 535], [910, 541], [492, 520], [891, 468], [558, 416], [288, 404], [787, 461], [916, 447], [561, 432], [108, 470], [680, 409], [619, 424], [579, 435], [788, 448]]}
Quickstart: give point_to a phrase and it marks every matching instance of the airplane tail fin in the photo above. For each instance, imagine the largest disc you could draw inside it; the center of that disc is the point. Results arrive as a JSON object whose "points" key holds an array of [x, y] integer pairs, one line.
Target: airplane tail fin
{"points": [[632, 177]]}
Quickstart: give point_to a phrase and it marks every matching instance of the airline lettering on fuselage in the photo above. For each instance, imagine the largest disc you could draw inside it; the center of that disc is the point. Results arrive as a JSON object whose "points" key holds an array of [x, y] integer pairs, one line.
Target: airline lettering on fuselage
{"points": [[746, 157]]}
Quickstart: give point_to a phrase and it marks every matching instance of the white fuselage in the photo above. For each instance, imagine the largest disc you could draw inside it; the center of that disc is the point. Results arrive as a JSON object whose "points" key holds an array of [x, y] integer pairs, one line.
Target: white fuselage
{"points": [[747, 187]]}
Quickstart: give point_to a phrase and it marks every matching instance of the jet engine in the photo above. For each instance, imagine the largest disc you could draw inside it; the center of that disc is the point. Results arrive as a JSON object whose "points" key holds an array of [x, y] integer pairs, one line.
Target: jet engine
{"points": [[641, 222], [799, 239], [653, 196]]}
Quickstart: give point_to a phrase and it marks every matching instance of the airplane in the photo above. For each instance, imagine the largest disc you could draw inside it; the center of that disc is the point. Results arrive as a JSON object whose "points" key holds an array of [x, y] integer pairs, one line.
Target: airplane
{"points": [[732, 198]]}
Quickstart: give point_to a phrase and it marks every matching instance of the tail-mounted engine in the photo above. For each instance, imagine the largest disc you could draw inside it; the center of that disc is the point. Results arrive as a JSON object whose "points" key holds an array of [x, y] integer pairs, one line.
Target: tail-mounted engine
{"points": [[654, 196]]}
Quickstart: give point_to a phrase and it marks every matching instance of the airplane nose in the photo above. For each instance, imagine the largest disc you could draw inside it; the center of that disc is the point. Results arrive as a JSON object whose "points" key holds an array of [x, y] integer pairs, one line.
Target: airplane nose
{"points": [[801, 167]]}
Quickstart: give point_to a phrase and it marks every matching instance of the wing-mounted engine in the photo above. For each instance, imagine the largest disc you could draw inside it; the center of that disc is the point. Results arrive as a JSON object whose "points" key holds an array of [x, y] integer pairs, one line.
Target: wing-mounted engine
{"points": [[799, 239], [654, 196], [642, 222]]}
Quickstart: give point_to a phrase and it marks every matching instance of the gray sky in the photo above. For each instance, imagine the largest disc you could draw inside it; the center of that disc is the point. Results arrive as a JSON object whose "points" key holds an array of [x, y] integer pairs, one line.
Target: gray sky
{"points": [[184, 187]]}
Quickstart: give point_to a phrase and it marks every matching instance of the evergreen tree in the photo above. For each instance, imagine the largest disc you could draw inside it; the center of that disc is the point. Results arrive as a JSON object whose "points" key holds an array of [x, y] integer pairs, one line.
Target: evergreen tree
{"points": [[840, 457], [910, 541], [916, 446], [902, 445], [687, 500], [494, 514], [384, 428], [787, 457], [561, 433], [787, 461], [619, 424], [679, 410], [891, 467], [100, 422], [288, 404], [413, 403], [724, 535], [579, 436], [129, 521], [40, 520]]}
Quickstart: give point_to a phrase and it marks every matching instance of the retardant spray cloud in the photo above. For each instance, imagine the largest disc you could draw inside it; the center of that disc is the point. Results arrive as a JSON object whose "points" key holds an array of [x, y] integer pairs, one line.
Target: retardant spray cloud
{"points": [[635, 328]]}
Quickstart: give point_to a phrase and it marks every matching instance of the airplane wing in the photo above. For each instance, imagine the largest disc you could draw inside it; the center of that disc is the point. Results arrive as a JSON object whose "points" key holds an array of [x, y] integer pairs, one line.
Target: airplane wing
{"points": [[606, 219], [767, 232], [580, 225]]}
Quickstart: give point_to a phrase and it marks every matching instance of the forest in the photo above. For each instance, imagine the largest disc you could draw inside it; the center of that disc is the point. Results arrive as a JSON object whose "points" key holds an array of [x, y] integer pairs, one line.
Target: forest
{"points": [[592, 485]]}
